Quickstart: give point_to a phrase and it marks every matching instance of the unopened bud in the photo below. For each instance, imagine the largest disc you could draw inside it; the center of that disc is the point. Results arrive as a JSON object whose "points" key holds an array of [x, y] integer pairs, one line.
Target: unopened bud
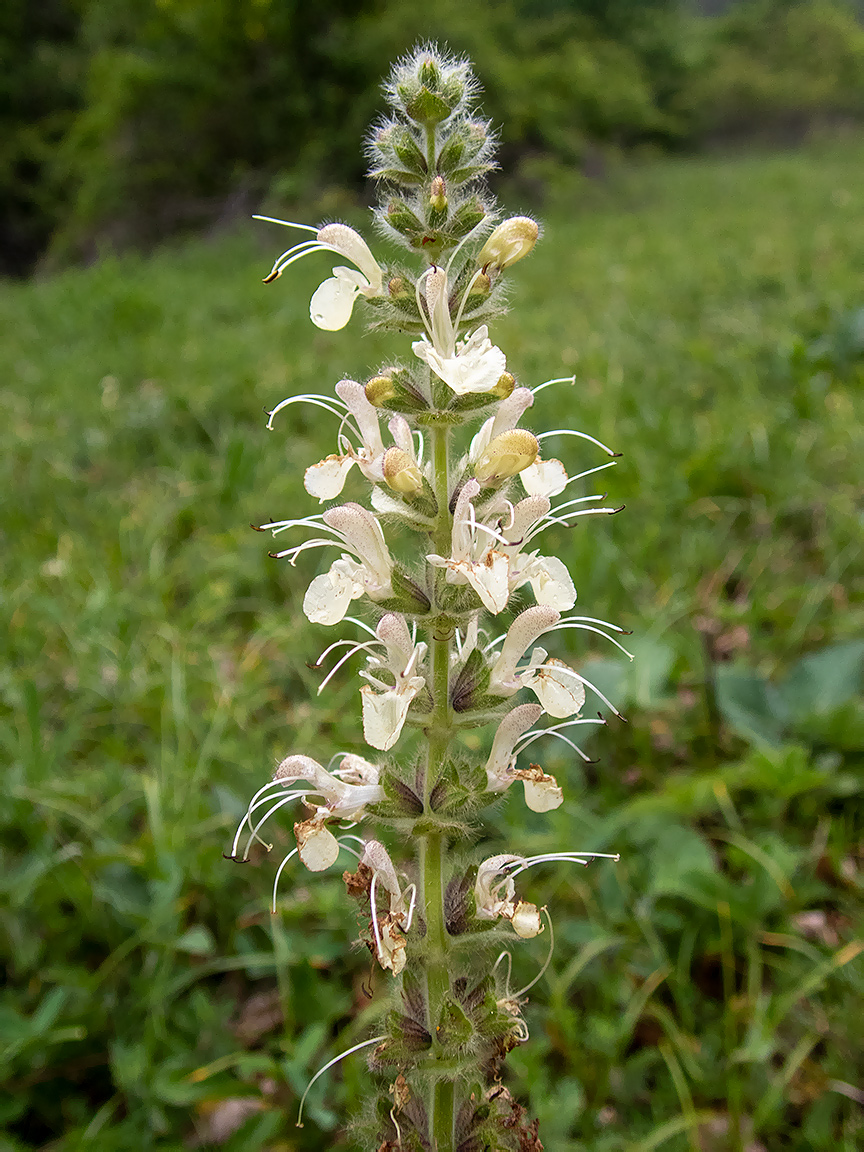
{"points": [[508, 243], [402, 473], [508, 454], [438, 194], [504, 387], [379, 389], [399, 289]]}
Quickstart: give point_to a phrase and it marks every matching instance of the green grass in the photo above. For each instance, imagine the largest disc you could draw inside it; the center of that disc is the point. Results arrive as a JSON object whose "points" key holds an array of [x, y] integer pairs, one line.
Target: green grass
{"points": [[156, 665]]}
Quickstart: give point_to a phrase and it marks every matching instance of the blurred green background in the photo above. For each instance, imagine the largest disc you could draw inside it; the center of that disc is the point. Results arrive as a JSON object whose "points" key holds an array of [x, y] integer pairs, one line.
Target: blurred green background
{"points": [[699, 173]]}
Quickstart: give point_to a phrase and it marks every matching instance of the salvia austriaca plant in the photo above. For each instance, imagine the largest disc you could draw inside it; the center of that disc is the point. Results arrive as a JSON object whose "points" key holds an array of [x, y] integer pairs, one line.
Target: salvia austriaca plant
{"points": [[437, 661]]}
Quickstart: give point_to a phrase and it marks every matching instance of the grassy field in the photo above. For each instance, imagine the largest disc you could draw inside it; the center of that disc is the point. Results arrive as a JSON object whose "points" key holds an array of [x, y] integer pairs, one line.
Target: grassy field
{"points": [[707, 992]]}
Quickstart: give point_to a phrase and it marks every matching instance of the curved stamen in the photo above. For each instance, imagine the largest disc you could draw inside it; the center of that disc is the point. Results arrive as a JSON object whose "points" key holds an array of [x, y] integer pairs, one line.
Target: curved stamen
{"points": [[541, 973], [309, 248], [254, 804], [293, 852], [464, 299], [566, 857], [494, 534], [287, 799], [326, 653], [367, 647], [375, 929], [286, 223], [588, 628], [306, 522], [549, 383], [595, 620], [304, 248], [421, 445], [501, 956], [534, 733], [329, 1064], [582, 436], [362, 624], [304, 547], [413, 889], [332, 405], [577, 500], [548, 520], [560, 736], [591, 471]]}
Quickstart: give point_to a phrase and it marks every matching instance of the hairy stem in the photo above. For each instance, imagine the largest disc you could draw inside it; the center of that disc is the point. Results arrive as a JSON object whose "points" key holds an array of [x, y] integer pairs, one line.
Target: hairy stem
{"points": [[431, 847]]}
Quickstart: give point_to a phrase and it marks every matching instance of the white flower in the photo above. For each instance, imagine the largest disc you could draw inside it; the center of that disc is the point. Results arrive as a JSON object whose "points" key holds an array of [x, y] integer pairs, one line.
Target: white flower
{"points": [[390, 927], [326, 479], [342, 795], [512, 240], [342, 800], [475, 365], [495, 896], [501, 758], [558, 688], [385, 706], [542, 793], [507, 416], [525, 629], [473, 560], [328, 597], [471, 365], [548, 576], [333, 301]]}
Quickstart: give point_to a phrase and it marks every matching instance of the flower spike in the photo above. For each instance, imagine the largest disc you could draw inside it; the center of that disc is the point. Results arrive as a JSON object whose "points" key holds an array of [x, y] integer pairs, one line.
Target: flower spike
{"points": [[454, 495]]}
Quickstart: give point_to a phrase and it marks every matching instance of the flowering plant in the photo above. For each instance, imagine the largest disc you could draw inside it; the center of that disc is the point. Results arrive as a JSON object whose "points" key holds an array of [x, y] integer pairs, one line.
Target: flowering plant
{"points": [[441, 924]]}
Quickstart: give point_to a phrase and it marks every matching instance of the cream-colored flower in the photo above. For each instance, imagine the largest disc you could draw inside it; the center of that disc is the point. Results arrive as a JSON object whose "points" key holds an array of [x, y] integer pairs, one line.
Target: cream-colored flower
{"points": [[542, 793], [548, 576], [385, 705], [473, 559], [475, 365], [329, 596], [326, 479], [471, 365], [495, 896], [333, 301], [388, 928]]}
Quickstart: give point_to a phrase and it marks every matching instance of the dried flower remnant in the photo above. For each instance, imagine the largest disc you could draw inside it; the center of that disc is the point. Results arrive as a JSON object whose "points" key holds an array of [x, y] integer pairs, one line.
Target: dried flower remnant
{"points": [[450, 465]]}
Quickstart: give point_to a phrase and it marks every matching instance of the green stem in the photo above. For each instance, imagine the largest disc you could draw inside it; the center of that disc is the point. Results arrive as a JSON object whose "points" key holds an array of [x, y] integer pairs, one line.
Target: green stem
{"points": [[431, 847], [431, 157]]}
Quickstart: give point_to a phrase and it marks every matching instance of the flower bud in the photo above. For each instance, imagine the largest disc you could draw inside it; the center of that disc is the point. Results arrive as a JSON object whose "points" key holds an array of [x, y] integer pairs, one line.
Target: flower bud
{"points": [[504, 387], [438, 194], [508, 454], [398, 288], [401, 473], [379, 389], [508, 243]]}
